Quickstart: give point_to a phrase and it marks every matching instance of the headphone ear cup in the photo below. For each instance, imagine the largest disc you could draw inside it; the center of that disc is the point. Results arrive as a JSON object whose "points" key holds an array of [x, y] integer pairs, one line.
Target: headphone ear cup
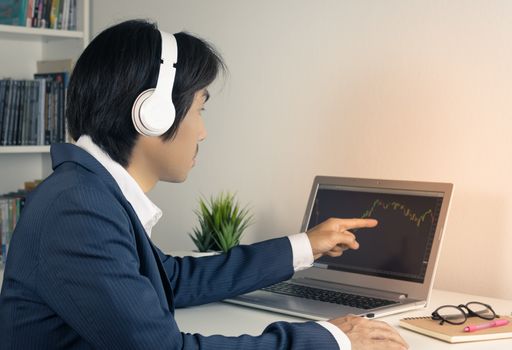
{"points": [[137, 113], [153, 111]]}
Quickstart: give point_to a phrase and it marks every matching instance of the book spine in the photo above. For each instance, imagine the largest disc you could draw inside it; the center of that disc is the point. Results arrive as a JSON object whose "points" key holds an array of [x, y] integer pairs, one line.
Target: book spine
{"points": [[1, 235], [22, 133], [8, 112], [22, 13], [18, 113], [72, 15], [33, 113], [53, 112], [3, 84], [47, 134], [3, 231], [8, 212], [60, 112], [3, 126], [27, 113], [14, 113], [54, 14], [59, 14], [47, 13], [40, 14], [23, 121], [42, 11], [65, 15], [40, 111], [8, 109], [21, 114], [12, 218], [35, 14], [30, 13]]}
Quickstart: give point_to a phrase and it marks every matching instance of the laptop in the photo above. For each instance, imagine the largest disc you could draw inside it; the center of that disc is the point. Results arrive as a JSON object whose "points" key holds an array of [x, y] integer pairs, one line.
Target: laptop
{"points": [[392, 271]]}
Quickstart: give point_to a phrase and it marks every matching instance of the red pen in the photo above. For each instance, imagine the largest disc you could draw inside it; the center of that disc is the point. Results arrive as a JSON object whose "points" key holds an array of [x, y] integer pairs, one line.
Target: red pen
{"points": [[495, 323]]}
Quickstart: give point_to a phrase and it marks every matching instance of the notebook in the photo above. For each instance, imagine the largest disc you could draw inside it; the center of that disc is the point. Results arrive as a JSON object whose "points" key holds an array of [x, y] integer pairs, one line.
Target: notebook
{"points": [[394, 268], [455, 333]]}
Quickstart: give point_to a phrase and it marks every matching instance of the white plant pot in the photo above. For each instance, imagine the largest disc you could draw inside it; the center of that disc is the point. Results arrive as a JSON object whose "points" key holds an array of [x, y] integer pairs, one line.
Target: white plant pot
{"points": [[194, 253], [198, 254]]}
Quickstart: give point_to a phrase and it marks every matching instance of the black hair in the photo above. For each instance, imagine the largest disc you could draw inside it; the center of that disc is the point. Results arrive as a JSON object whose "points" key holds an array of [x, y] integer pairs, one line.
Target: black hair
{"points": [[120, 63]]}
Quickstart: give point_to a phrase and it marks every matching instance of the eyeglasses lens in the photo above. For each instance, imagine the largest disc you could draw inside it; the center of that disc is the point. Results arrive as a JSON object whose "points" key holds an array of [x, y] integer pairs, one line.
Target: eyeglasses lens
{"points": [[452, 314], [481, 310]]}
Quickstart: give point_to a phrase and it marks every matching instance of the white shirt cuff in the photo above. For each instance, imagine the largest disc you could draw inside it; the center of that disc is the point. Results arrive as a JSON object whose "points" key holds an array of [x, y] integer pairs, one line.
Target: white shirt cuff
{"points": [[341, 338], [301, 251]]}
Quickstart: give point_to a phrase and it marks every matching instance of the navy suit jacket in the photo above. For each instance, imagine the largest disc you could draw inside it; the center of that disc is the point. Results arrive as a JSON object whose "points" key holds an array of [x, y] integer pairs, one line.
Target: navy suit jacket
{"points": [[82, 274]]}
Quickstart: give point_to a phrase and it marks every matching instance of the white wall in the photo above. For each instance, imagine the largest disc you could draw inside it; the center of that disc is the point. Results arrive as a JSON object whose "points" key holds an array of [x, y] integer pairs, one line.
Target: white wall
{"points": [[418, 90]]}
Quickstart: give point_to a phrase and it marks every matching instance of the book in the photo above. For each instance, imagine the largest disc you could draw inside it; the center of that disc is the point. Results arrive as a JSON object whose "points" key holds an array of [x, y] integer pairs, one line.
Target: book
{"points": [[4, 228], [55, 66], [32, 111], [38, 14], [72, 15], [54, 105], [9, 101], [12, 12], [3, 96], [54, 13], [58, 77], [11, 205], [65, 14], [13, 116], [30, 13], [455, 333]]}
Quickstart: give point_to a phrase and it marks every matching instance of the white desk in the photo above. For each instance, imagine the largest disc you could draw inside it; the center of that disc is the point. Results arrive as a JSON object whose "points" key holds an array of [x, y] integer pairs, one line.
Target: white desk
{"points": [[232, 320]]}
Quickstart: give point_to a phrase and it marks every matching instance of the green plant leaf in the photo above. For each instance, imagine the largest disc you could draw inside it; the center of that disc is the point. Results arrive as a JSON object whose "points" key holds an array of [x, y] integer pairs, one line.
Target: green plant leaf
{"points": [[222, 222]]}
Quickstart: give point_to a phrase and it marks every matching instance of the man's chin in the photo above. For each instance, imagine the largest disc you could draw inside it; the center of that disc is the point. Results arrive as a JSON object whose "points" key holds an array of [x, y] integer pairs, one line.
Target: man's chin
{"points": [[175, 179]]}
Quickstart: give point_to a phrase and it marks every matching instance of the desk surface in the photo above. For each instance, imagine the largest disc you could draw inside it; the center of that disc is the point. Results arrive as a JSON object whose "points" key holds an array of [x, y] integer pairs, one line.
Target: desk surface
{"points": [[232, 320]]}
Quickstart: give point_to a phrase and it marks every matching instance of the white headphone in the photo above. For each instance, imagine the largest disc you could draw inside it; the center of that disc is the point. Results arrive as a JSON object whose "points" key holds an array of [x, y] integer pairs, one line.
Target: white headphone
{"points": [[153, 112]]}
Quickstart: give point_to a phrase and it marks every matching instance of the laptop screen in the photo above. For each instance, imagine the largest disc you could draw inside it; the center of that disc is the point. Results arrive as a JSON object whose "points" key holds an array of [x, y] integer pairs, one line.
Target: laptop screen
{"points": [[399, 247]]}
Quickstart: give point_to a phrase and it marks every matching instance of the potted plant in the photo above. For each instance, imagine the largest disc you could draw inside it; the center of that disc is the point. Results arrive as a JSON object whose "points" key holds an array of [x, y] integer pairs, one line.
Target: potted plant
{"points": [[221, 223]]}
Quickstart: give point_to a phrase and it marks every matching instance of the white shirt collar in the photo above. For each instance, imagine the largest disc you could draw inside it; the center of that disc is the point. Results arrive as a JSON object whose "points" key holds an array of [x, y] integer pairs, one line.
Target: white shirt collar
{"points": [[147, 212]]}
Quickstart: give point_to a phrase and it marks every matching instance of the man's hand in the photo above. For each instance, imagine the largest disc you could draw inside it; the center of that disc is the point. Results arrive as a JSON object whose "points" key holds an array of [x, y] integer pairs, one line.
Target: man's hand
{"points": [[367, 334], [332, 237]]}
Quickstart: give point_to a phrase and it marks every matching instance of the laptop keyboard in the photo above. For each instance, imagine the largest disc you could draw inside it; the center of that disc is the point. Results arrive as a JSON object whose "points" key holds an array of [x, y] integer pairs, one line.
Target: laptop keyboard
{"points": [[328, 296]]}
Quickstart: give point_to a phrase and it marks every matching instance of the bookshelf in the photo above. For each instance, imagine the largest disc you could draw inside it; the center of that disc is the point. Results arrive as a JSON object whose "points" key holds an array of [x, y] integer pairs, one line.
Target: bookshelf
{"points": [[39, 33], [21, 48], [24, 149]]}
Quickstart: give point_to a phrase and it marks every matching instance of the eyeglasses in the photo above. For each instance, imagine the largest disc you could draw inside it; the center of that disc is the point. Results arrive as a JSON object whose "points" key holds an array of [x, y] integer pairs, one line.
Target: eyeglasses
{"points": [[459, 314]]}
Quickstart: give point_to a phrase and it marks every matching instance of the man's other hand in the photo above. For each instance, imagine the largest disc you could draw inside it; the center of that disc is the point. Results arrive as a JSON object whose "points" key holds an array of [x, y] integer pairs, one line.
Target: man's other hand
{"points": [[367, 334], [332, 236]]}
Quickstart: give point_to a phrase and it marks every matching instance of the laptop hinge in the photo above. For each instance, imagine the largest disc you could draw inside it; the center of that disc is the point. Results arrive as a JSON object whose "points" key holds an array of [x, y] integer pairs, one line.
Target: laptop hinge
{"points": [[340, 287]]}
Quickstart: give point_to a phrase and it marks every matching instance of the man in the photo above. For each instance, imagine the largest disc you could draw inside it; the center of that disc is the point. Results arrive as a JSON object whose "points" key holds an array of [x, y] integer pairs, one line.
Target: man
{"points": [[82, 271]]}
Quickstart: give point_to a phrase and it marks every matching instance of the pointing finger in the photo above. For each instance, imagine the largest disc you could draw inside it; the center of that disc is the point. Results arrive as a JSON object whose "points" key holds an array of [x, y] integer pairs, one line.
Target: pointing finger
{"points": [[347, 224]]}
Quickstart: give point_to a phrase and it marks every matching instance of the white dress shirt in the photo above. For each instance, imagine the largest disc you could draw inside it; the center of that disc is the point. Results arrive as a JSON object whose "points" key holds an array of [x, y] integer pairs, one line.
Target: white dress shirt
{"points": [[149, 214]]}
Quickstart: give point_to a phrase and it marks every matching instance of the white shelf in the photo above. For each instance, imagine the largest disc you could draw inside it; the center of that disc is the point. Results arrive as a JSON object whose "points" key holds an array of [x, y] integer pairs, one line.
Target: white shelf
{"points": [[40, 33], [24, 149]]}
